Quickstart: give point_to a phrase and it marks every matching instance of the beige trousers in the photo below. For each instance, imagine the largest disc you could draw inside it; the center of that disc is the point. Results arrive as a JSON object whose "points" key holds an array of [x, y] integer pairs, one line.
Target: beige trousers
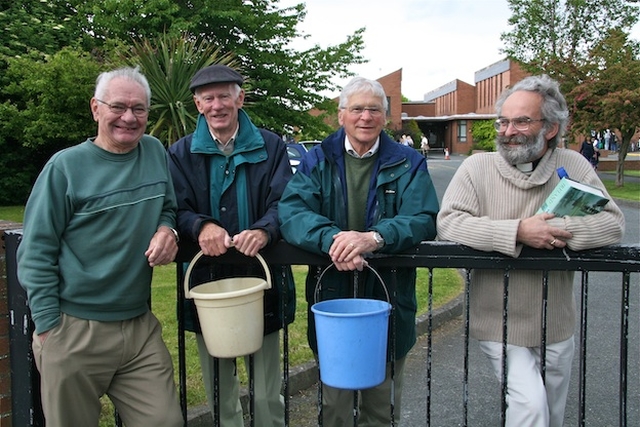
{"points": [[81, 360]]}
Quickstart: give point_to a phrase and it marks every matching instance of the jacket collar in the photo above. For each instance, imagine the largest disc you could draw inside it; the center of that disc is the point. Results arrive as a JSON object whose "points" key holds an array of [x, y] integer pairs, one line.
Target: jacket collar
{"points": [[333, 147], [248, 137]]}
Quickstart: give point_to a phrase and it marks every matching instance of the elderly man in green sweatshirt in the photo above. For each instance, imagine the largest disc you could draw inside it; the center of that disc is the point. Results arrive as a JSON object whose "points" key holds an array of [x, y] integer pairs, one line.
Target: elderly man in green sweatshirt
{"points": [[99, 218]]}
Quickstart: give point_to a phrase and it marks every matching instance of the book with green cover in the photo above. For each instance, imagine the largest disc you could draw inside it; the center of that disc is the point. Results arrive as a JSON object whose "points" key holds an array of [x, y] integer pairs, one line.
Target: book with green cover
{"points": [[573, 198]]}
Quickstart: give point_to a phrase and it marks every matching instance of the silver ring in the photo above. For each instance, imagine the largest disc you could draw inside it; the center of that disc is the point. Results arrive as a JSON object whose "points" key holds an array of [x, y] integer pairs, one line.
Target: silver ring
{"points": [[553, 242]]}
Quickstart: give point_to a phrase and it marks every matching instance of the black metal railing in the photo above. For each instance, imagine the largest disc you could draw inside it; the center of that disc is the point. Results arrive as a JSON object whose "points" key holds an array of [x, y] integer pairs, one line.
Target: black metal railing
{"points": [[624, 259]]}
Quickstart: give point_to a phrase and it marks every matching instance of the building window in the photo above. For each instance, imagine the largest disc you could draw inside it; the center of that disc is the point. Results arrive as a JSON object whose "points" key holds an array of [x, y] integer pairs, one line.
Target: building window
{"points": [[462, 131], [389, 106]]}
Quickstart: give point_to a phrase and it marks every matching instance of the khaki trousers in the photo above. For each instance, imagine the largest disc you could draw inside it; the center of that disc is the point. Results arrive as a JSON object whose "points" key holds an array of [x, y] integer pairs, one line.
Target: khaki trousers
{"points": [[81, 360]]}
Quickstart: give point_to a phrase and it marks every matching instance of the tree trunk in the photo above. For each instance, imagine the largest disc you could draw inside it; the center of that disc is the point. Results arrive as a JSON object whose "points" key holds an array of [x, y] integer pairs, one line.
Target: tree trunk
{"points": [[622, 155]]}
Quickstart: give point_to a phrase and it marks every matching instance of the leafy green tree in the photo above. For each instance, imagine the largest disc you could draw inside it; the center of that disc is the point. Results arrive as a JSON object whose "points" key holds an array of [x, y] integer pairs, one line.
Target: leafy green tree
{"points": [[53, 96], [46, 109], [165, 61], [17, 164], [610, 98], [45, 26], [574, 42], [484, 135], [556, 36], [284, 83]]}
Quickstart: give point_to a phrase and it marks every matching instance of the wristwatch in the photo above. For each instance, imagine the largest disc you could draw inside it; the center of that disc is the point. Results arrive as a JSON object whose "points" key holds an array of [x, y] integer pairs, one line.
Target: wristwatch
{"points": [[379, 240], [175, 234]]}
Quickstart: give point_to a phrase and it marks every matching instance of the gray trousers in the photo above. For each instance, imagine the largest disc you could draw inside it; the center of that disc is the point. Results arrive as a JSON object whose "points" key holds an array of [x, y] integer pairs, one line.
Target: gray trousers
{"points": [[269, 403], [375, 403]]}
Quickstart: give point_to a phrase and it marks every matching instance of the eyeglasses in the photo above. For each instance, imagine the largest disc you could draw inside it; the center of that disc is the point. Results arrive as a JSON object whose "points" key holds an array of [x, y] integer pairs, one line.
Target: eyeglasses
{"points": [[120, 109], [358, 111], [519, 123]]}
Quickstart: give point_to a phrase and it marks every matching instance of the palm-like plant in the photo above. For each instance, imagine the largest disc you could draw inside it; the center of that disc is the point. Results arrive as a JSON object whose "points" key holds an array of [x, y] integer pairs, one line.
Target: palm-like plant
{"points": [[169, 63]]}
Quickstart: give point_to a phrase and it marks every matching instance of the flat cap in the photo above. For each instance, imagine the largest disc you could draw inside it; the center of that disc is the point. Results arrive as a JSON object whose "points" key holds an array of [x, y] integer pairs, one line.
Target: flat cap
{"points": [[215, 74]]}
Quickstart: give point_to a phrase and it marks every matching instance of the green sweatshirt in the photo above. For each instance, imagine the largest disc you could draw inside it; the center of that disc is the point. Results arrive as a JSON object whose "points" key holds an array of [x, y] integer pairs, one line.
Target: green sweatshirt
{"points": [[88, 222]]}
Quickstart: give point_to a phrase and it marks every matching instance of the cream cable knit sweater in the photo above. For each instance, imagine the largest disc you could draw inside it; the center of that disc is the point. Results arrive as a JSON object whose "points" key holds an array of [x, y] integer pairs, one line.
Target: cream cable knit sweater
{"points": [[482, 208]]}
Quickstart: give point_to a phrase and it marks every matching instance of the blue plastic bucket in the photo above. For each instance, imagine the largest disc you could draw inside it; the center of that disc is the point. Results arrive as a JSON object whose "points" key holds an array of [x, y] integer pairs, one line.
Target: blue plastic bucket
{"points": [[352, 341]]}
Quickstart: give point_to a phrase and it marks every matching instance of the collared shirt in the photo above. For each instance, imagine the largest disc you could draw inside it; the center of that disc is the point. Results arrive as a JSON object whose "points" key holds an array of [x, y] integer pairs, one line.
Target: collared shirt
{"points": [[353, 153], [226, 148]]}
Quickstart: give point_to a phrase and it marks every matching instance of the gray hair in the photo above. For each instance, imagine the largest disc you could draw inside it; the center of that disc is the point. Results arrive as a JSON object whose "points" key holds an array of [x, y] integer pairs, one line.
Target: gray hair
{"points": [[554, 106], [128, 73], [359, 85]]}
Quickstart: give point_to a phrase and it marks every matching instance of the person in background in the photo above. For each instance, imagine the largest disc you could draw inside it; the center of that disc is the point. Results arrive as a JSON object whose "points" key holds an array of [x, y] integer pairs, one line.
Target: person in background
{"points": [[490, 205], [228, 177], [408, 141], [596, 154], [356, 193], [99, 218], [587, 150], [424, 146]]}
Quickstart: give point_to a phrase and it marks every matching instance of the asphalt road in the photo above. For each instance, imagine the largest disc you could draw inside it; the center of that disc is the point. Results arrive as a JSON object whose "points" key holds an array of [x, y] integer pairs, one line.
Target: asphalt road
{"points": [[447, 409]]}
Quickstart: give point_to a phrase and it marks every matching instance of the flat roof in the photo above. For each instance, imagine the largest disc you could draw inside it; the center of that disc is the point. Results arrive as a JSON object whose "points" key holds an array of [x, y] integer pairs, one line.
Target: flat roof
{"points": [[468, 116]]}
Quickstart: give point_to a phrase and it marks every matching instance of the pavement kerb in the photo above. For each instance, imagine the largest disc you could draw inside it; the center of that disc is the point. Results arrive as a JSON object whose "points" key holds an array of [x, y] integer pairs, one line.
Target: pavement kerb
{"points": [[306, 375]]}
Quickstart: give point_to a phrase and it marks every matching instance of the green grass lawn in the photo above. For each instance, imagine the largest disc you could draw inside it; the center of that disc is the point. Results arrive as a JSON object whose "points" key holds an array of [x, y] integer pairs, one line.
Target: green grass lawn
{"points": [[630, 191], [12, 213]]}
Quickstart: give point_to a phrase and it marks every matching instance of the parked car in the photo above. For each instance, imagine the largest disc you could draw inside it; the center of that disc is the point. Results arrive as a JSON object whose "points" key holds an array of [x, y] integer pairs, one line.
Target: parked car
{"points": [[295, 152], [309, 144]]}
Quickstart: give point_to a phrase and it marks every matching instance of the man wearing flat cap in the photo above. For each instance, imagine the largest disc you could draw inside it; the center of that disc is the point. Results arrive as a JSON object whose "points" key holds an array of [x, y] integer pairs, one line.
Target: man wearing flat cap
{"points": [[228, 177]]}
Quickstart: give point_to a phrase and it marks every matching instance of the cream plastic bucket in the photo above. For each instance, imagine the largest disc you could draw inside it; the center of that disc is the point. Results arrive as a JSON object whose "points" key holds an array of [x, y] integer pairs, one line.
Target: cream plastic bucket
{"points": [[231, 311]]}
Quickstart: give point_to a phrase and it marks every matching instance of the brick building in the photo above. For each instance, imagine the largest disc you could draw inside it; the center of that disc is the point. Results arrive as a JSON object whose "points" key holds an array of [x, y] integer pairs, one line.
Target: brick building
{"points": [[447, 113]]}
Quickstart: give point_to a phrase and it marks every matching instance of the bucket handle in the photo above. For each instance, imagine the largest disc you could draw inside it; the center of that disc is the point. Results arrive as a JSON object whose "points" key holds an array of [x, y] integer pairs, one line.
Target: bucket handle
{"points": [[195, 259], [316, 292]]}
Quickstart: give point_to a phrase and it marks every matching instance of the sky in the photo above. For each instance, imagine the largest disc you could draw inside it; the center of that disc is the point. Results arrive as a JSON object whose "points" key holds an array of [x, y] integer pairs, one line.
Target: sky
{"points": [[433, 41]]}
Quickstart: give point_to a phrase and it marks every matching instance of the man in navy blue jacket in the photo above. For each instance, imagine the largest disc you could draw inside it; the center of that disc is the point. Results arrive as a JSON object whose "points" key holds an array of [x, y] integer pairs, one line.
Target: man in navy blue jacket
{"points": [[228, 177], [356, 193]]}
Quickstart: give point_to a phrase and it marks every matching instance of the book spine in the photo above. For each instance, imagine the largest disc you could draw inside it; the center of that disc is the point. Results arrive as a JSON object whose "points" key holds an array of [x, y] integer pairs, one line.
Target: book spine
{"points": [[556, 196]]}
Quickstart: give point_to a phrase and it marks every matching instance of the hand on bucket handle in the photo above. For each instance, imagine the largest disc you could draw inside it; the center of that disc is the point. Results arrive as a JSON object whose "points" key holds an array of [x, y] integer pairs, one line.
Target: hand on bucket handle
{"points": [[316, 293], [187, 275]]}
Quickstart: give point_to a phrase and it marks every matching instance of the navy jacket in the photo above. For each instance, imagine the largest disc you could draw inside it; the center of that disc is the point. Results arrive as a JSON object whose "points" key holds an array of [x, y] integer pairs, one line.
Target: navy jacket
{"points": [[402, 206], [246, 187]]}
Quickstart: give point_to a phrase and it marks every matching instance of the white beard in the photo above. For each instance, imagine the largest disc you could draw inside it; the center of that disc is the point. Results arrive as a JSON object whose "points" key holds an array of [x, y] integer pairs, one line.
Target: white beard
{"points": [[528, 148]]}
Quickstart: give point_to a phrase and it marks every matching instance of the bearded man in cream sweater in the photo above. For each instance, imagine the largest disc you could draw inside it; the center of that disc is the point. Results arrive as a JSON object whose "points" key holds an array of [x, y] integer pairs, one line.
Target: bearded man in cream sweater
{"points": [[491, 205]]}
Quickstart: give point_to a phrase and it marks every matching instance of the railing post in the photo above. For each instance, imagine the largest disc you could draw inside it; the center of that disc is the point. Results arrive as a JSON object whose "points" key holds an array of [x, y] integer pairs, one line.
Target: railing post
{"points": [[26, 406], [624, 350]]}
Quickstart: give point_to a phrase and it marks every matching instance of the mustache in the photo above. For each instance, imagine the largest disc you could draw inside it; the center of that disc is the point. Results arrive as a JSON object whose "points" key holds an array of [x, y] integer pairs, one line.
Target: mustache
{"points": [[516, 139]]}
